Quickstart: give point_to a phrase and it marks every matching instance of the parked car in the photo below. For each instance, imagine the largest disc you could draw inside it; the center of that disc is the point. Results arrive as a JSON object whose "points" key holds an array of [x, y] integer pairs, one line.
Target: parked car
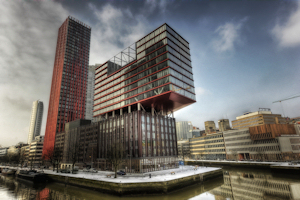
{"points": [[65, 171], [121, 173], [93, 170]]}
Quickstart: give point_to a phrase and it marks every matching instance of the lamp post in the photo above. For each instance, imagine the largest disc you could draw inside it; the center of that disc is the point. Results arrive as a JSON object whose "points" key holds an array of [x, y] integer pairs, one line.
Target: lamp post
{"points": [[130, 161]]}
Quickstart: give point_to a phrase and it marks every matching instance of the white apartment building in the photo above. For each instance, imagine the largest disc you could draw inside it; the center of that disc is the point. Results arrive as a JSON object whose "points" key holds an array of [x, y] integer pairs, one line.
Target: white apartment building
{"points": [[36, 120]]}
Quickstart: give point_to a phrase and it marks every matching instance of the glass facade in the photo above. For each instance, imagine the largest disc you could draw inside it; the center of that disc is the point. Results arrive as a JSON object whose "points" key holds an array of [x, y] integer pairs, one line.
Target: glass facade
{"points": [[141, 134], [156, 65]]}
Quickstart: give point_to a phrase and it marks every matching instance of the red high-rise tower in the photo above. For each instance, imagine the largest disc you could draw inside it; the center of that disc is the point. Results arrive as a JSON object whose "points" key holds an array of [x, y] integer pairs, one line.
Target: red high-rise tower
{"points": [[69, 80]]}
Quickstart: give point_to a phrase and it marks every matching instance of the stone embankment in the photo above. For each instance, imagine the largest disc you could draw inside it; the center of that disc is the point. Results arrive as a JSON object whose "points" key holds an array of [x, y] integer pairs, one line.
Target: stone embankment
{"points": [[150, 186]]}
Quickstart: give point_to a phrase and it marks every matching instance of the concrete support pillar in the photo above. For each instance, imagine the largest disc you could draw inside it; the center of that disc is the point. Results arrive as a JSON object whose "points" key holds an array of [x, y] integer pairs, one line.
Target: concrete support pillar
{"points": [[106, 115], [139, 106], [129, 109], [121, 111], [152, 110], [113, 113]]}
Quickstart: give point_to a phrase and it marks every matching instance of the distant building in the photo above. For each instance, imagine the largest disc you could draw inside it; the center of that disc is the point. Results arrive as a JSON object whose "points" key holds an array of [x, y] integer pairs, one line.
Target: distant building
{"points": [[269, 142], [36, 120], [70, 142], [196, 133], [3, 151], [183, 149], [210, 127], [224, 125], [184, 130], [209, 147], [34, 155], [261, 117], [89, 103]]}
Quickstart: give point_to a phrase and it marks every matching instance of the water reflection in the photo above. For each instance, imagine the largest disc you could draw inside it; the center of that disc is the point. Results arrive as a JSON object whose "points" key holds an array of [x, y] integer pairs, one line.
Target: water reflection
{"points": [[24, 191], [256, 184], [236, 184]]}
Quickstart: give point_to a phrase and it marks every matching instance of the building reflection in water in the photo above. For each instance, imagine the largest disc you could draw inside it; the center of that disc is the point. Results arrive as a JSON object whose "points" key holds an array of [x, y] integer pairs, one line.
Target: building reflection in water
{"points": [[236, 184], [243, 184], [24, 191]]}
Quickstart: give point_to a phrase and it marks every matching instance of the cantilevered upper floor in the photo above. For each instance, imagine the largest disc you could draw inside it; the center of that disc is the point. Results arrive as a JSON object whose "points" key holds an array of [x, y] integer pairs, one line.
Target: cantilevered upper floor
{"points": [[153, 74]]}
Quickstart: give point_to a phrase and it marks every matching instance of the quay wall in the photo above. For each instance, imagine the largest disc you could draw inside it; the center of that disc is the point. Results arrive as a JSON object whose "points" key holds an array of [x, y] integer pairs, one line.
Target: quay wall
{"points": [[138, 188]]}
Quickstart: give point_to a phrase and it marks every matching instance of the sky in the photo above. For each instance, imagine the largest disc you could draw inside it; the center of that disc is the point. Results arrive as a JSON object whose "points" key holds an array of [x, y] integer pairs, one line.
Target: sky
{"points": [[245, 54]]}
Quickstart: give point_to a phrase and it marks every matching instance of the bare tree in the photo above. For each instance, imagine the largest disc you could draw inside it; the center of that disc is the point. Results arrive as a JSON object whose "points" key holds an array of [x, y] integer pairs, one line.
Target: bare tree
{"points": [[57, 157], [22, 158], [49, 156], [115, 156], [74, 154]]}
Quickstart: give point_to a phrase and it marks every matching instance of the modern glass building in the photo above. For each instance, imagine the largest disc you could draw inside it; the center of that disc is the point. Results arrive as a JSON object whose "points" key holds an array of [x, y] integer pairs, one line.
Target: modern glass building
{"points": [[136, 93], [35, 120], [154, 72], [69, 80]]}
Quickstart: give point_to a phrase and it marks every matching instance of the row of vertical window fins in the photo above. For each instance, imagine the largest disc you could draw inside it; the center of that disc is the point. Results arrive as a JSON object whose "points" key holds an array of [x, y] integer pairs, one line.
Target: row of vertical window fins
{"points": [[134, 85], [144, 88], [177, 47], [130, 80], [121, 79], [127, 74], [145, 95], [160, 33], [132, 100]]}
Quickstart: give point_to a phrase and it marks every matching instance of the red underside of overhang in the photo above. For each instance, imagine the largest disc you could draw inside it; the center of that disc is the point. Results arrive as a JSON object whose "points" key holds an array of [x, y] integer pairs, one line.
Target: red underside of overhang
{"points": [[170, 101]]}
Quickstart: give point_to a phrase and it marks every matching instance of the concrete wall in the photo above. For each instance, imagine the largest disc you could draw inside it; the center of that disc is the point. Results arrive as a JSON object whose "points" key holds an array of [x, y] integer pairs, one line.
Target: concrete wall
{"points": [[137, 188]]}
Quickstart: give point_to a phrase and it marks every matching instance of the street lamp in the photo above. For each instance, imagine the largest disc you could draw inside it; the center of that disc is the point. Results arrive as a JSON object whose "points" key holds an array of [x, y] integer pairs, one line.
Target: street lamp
{"points": [[130, 162]]}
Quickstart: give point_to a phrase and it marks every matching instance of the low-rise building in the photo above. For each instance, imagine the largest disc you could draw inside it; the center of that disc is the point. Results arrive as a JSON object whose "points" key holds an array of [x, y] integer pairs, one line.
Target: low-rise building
{"points": [[261, 117], [183, 149], [210, 127], [209, 147], [224, 125], [271, 142], [3, 151], [35, 151]]}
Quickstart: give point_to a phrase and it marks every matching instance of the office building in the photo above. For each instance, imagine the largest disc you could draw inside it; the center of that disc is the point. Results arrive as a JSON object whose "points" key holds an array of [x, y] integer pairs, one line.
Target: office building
{"points": [[183, 149], [261, 117], [69, 80], [224, 125], [136, 93], [34, 156], [210, 127], [184, 130], [3, 151], [36, 120], [269, 142], [209, 147]]}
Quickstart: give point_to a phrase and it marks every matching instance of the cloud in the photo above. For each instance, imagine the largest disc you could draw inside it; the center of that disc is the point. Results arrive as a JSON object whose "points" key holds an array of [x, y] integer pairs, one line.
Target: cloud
{"points": [[157, 6], [28, 37], [228, 36], [114, 30], [288, 33]]}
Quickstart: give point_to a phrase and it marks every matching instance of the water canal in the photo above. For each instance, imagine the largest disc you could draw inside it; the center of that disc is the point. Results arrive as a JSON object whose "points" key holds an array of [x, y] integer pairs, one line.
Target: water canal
{"points": [[237, 183]]}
